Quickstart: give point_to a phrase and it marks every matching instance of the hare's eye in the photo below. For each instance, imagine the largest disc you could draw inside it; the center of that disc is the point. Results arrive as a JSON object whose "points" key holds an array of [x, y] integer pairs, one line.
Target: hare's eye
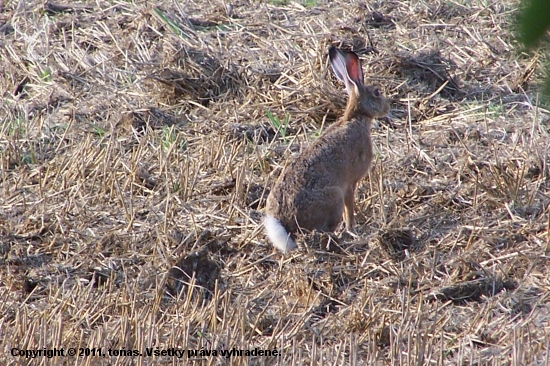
{"points": [[376, 92]]}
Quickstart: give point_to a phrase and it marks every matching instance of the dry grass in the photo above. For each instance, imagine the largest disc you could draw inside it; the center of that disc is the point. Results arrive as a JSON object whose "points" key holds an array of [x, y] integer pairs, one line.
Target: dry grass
{"points": [[134, 137]]}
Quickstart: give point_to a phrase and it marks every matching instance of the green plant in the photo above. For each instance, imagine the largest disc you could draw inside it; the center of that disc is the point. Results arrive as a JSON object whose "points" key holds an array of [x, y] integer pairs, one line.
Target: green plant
{"points": [[170, 23], [278, 2], [98, 130], [534, 22], [310, 3], [216, 27], [46, 75], [496, 109], [168, 137], [278, 126], [14, 128]]}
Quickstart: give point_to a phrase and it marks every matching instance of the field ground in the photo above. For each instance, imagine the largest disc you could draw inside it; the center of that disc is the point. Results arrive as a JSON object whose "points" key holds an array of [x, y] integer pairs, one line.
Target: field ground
{"points": [[137, 154]]}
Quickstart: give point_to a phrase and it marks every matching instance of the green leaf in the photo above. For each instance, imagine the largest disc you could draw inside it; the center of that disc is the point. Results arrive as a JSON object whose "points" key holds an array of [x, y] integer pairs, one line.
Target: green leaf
{"points": [[172, 25], [534, 21]]}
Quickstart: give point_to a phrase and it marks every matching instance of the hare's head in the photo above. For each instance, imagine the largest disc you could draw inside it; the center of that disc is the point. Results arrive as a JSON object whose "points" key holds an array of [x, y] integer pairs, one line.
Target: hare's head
{"points": [[363, 100]]}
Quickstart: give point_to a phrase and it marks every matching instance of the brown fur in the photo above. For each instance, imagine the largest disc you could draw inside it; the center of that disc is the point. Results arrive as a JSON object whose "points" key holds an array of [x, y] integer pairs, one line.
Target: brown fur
{"points": [[317, 188]]}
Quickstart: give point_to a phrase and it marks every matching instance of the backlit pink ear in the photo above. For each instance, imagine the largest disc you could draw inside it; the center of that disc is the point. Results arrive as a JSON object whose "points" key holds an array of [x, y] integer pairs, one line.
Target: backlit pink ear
{"points": [[339, 65], [353, 67]]}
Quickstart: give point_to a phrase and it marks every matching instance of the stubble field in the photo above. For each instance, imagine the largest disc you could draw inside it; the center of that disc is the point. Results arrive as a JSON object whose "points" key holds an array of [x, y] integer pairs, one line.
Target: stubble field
{"points": [[139, 141]]}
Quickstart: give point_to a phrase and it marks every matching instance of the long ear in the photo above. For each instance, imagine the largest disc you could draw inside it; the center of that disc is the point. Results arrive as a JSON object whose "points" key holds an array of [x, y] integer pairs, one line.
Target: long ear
{"points": [[353, 66], [347, 68]]}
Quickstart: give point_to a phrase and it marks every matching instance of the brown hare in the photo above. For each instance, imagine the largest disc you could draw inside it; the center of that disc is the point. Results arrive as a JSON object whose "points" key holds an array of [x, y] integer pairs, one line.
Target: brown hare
{"points": [[317, 189]]}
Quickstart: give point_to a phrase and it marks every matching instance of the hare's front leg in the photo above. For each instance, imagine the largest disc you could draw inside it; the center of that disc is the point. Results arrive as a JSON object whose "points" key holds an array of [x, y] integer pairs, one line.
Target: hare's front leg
{"points": [[349, 198]]}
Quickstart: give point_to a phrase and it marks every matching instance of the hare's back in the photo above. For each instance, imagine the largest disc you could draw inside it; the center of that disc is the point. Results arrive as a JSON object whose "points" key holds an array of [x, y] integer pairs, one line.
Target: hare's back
{"points": [[330, 160]]}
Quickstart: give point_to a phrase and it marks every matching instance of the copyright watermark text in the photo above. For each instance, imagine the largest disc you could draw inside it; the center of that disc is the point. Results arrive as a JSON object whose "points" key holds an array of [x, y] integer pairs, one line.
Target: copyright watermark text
{"points": [[147, 352]]}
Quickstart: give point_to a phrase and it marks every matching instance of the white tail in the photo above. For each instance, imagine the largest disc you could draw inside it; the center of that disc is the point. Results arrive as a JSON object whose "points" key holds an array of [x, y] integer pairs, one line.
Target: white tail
{"points": [[278, 235]]}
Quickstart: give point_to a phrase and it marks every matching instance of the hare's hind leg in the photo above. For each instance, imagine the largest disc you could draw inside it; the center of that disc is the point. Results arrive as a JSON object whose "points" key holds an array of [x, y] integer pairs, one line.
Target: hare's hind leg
{"points": [[334, 208], [323, 209]]}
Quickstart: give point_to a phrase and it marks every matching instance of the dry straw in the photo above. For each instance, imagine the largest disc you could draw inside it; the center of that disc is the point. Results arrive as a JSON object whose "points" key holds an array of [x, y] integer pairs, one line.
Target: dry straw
{"points": [[135, 137]]}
